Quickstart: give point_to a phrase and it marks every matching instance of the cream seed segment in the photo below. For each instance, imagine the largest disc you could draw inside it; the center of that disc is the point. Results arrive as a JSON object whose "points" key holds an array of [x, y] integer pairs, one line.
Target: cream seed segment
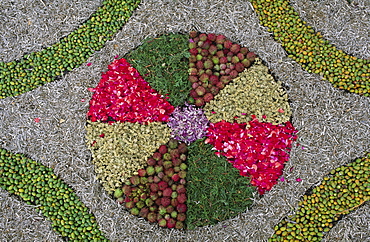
{"points": [[253, 92], [120, 149]]}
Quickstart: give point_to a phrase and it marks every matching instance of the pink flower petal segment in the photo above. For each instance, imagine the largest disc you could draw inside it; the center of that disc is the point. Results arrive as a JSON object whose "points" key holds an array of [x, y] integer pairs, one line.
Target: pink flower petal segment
{"points": [[258, 152], [123, 95]]}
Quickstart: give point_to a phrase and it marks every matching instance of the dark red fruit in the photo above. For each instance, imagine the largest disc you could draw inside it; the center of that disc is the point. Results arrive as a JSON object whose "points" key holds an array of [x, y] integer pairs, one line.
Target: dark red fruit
{"points": [[154, 187], [151, 162], [165, 201], [193, 50], [176, 161], [246, 62], [162, 149], [175, 177], [220, 39], [233, 74], [199, 64], [235, 48], [251, 56], [208, 97], [181, 189], [171, 223], [211, 37], [181, 198], [239, 67], [181, 217], [157, 156], [162, 185], [181, 208], [141, 172], [228, 44], [144, 212], [244, 50]]}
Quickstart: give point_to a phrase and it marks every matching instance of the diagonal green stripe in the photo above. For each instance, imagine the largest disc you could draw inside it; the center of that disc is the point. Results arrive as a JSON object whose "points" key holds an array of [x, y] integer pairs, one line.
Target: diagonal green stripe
{"points": [[38, 68], [341, 192], [38, 185], [310, 50]]}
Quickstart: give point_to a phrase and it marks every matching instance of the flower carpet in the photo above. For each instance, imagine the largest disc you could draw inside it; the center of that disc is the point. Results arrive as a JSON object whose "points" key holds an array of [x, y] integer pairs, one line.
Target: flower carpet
{"points": [[107, 139]]}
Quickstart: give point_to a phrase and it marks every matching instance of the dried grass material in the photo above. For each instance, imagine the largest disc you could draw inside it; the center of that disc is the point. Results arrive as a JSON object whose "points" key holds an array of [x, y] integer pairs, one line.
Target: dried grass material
{"points": [[333, 126], [21, 222]]}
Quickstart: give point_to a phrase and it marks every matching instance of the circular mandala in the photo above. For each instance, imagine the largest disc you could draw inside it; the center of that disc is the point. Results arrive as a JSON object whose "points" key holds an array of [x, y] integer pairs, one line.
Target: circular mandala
{"points": [[185, 130]]}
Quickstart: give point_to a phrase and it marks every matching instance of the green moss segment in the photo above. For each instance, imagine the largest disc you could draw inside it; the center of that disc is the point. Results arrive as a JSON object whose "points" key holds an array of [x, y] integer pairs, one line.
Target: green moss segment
{"points": [[38, 68], [342, 191], [310, 50], [215, 189], [38, 185], [163, 63]]}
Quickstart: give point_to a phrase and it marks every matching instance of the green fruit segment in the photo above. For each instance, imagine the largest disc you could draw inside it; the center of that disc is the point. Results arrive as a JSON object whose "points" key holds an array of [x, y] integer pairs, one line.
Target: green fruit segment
{"points": [[38, 68], [38, 185], [215, 189], [342, 191], [310, 50], [163, 63]]}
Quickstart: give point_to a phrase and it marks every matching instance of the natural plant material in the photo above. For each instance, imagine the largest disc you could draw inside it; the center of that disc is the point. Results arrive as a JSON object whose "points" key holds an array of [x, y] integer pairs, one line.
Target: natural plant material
{"points": [[214, 61], [120, 149], [215, 189], [310, 50], [157, 193], [253, 92], [188, 123], [37, 185], [38, 68], [163, 62], [345, 189], [123, 95], [258, 152]]}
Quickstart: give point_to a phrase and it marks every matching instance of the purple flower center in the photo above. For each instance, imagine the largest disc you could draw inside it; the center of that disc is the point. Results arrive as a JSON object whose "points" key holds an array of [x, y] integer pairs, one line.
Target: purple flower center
{"points": [[188, 123]]}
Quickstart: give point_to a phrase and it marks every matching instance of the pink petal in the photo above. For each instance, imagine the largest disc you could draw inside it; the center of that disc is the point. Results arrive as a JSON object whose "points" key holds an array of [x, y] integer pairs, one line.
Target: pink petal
{"points": [[298, 179], [37, 120], [88, 64]]}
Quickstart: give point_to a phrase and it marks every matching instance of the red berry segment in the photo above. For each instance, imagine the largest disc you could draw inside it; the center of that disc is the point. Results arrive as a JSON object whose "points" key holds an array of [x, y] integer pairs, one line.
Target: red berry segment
{"points": [[214, 61], [123, 95], [258, 152], [158, 192]]}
